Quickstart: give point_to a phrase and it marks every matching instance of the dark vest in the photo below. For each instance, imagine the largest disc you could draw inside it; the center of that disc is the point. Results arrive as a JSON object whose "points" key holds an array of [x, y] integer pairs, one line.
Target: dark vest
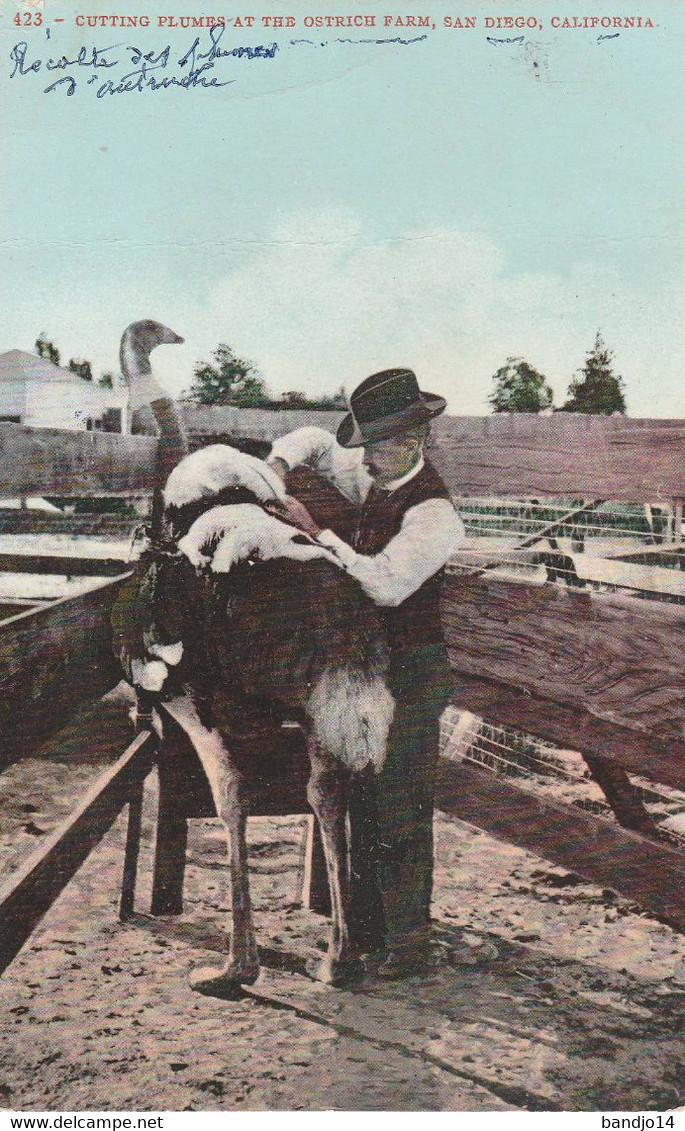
{"points": [[417, 620]]}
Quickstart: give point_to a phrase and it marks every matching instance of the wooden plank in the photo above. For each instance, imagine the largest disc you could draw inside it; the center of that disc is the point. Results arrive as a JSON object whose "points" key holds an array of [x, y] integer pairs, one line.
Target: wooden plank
{"points": [[63, 565], [12, 605], [49, 461], [29, 893], [570, 728], [210, 422], [180, 777], [131, 851], [643, 579], [564, 455], [36, 522], [610, 571], [670, 555], [608, 855], [593, 672], [53, 660]]}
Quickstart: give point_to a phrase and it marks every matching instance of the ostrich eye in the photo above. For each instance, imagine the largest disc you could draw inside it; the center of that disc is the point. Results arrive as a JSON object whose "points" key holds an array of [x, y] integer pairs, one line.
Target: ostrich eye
{"points": [[301, 540]]}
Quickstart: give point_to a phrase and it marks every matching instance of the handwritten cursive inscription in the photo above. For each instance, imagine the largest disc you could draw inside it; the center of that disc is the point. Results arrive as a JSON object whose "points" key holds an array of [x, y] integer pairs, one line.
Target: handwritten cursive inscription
{"points": [[201, 65]]}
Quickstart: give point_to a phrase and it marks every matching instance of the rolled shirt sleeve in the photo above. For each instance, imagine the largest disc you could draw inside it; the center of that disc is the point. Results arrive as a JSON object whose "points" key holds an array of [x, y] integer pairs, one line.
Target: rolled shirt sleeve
{"points": [[430, 533], [318, 449]]}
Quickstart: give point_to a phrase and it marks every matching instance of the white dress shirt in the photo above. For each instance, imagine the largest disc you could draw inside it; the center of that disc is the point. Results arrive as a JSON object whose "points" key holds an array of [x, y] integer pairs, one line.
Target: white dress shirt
{"points": [[430, 532]]}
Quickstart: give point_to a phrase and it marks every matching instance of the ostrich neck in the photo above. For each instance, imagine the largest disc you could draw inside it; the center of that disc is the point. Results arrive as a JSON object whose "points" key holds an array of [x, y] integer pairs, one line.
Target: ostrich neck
{"points": [[173, 444], [135, 361]]}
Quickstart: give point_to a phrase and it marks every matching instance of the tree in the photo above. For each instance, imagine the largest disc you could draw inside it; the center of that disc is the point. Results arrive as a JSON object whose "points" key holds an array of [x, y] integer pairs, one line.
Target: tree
{"points": [[519, 388], [81, 368], [597, 389], [46, 349], [78, 365], [228, 380]]}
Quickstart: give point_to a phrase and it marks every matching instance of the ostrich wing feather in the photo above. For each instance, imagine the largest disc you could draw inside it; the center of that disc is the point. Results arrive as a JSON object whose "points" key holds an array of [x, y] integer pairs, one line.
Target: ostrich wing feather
{"points": [[211, 470], [224, 536]]}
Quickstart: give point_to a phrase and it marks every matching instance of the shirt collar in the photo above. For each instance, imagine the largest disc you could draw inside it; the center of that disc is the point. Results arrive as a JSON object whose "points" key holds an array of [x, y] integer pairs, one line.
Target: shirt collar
{"points": [[395, 483]]}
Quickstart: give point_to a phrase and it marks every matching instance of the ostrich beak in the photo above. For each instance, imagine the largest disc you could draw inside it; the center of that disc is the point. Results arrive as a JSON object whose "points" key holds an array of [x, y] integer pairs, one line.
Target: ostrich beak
{"points": [[172, 339]]}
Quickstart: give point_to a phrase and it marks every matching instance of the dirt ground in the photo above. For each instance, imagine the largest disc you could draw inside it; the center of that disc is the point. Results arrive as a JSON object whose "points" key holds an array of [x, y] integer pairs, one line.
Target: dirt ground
{"points": [[545, 993]]}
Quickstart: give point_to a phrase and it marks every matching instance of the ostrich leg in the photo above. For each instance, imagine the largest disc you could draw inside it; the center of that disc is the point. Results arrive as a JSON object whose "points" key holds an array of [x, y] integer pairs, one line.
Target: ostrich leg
{"points": [[242, 967], [327, 795]]}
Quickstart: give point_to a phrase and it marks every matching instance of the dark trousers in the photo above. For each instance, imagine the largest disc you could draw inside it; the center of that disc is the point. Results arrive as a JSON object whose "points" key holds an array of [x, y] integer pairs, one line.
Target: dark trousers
{"points": [[391, 813]]}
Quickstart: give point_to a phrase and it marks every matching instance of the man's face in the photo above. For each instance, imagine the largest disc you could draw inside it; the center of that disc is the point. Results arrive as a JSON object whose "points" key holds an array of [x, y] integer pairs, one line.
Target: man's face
{"points": [[390, 459]]}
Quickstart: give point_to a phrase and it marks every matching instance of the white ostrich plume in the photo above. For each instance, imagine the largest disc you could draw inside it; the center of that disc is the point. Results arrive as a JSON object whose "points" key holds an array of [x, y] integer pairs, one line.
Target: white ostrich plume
{"points": [[210, 470], [149, 675], [226, 535], [352, 716]]}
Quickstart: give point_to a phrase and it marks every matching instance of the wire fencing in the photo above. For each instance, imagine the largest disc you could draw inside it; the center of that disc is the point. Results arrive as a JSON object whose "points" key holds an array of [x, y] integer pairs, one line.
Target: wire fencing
{"points": [[605, 547], [546, 770], [494, 517]]}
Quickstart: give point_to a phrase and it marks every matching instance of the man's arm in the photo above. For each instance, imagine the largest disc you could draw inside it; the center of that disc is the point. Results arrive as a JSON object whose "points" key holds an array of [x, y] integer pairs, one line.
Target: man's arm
{"points": [[430, 533], [318, 449]]}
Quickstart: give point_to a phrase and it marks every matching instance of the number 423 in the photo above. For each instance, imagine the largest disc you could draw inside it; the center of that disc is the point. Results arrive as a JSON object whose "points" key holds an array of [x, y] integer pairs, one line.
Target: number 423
{"points": [[28, 19]]}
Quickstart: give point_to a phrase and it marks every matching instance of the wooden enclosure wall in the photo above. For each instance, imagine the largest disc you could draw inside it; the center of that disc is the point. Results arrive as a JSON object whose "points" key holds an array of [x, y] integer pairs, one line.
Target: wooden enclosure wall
{"points": [[565, 455], [601, 674], [52, 660]]}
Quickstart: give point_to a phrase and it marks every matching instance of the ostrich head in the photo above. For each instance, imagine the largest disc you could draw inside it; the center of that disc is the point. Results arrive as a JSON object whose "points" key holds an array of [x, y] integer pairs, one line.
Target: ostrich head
{"points": [[137, 343]]}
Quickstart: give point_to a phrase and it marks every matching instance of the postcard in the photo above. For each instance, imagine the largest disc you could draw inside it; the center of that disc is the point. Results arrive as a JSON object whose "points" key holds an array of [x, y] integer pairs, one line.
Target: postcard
{"points": [[400, 289]]}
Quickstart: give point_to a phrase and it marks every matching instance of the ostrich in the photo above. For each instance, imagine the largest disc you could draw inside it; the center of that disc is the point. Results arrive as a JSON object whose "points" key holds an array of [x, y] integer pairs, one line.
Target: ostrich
{"points": [[231, 610]]}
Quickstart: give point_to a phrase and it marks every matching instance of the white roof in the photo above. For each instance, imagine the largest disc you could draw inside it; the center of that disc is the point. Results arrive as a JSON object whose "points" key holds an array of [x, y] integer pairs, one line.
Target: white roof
{"points": [[21, 367], [18, 365]]}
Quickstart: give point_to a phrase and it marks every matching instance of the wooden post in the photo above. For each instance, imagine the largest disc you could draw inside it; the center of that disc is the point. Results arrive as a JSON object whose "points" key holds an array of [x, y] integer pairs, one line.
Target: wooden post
{"points": [[170, 844], [677, 520], [622, 795], [315, 893], [183, 792], [132, 850]]}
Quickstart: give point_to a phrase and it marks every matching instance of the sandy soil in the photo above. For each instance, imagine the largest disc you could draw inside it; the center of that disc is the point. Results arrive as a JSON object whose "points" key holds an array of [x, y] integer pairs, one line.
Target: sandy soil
{"points": [[544, 993]]}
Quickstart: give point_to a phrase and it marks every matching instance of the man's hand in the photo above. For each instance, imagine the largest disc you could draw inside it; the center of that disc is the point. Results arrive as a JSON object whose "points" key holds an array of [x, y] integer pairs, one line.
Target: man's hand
{"points": [[293, 511]]}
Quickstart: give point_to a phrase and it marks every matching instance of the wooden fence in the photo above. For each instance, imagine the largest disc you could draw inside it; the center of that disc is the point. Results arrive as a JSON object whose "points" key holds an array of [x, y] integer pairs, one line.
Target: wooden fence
{"points": [[601, 674], [567, 455]]}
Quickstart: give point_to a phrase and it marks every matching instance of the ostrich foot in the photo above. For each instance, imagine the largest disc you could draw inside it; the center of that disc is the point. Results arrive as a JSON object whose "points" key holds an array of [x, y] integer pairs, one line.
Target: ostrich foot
{"points": [[339, 972], [224, 981]]}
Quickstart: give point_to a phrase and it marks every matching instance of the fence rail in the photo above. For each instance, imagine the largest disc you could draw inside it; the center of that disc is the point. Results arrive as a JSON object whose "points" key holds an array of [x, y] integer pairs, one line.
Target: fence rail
{"points": [[27, 895], [52, 660], [565, 455]]}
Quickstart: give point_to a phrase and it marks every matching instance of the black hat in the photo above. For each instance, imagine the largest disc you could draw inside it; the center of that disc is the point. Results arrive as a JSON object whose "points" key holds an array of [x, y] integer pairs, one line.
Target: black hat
{"points": [[385, 405]]}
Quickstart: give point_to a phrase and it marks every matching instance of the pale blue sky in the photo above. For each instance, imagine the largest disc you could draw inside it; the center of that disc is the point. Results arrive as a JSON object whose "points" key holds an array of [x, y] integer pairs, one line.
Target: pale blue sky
{"points": [[339, 209]]}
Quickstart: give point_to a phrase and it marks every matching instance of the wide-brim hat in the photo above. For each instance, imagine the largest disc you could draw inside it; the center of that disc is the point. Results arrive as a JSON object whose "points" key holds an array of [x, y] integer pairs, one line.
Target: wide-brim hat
{"points": [[387, 404]]}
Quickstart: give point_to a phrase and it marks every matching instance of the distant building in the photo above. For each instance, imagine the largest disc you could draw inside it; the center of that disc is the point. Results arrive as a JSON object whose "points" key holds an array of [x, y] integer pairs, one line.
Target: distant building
{"points": [[35, 392]]}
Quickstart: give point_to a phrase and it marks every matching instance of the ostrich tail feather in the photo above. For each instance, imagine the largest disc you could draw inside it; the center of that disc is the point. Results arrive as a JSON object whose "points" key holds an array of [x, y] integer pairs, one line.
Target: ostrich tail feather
{"points": [[352, 713]]}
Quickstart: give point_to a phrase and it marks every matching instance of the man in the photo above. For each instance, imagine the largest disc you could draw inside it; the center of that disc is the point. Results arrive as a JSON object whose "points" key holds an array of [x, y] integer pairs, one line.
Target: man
{"points": [[407, 529]]}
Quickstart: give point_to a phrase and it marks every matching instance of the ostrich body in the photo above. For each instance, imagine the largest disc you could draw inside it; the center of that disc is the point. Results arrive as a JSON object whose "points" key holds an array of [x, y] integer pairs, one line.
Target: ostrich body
{"points": [[232, 608]]}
